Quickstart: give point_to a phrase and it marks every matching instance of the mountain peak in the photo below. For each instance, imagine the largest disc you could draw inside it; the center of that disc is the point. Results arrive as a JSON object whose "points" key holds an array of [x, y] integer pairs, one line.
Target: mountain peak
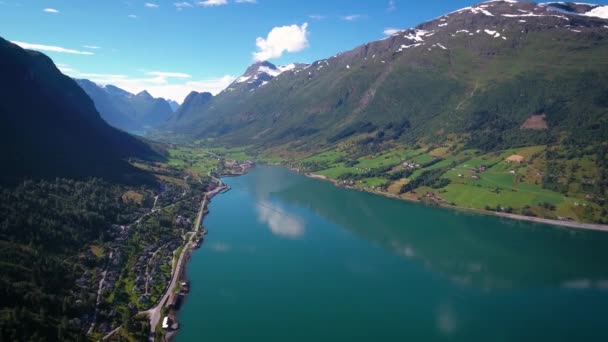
{"points": [[260, 73], [145, 95], [259, 67]]}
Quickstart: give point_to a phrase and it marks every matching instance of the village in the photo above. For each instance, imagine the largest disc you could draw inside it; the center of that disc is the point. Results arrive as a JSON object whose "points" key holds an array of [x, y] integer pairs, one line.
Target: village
{"points": [[140, 271]]}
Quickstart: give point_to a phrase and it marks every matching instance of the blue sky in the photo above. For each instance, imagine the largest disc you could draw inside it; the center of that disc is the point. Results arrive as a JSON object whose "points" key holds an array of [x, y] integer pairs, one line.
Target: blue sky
{"points": [[172, 47]]}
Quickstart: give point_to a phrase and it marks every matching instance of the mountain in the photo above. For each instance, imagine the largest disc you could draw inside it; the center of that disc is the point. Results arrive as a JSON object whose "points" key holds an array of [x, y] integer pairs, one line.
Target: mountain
{"points": [[49, 126], [112, 102], [193, 102], [127, 111], [479, 73], [174, 105], [195, 106], [260, 74]]}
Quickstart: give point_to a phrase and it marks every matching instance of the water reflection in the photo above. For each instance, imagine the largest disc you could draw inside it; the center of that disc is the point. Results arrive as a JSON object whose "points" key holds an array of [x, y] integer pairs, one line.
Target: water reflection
{"points": [[470, 250], [446, 320], [279, 221], [582, 284], [219, 247]]}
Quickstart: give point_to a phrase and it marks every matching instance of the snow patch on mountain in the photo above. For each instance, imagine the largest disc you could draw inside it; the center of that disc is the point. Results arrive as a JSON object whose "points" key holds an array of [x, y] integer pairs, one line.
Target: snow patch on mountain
{"points": [[598, 12], [416, 35], [260, 74]]}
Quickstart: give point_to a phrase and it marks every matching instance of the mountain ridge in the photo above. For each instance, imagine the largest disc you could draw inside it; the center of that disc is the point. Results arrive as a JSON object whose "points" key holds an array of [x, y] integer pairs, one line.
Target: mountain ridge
{"points": [[445, 54], [127, 111]]}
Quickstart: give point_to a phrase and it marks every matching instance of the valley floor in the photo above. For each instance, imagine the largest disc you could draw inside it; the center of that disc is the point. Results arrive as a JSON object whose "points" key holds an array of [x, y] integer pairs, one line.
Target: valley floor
{"points": [[529, 182]]}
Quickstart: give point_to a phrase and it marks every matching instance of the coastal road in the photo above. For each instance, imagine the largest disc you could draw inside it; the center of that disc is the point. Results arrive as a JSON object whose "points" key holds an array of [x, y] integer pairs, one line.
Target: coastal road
{"points": [[569, 224], [155, 312]]}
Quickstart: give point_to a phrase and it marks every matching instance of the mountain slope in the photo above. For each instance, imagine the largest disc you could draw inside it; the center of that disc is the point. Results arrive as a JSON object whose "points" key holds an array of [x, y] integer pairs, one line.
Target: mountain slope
{"points": [[480, 72], [127, 111], [49, 126], [193, 102], [174, 105], [113, 103], [196, 105]]}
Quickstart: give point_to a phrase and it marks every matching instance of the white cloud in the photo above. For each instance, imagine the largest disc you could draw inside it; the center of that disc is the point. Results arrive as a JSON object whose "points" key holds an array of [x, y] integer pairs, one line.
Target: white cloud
{"points": [[182, 5], [65, 69], [316, 17], [351, 17], [92, 47], [50, 10], [100, 76], [132, 16], [168, 74], [151, 5], [281, 39], [168, 85], [209, 3], [246, 1], [50, 48], [392, 5], [391, 31]]}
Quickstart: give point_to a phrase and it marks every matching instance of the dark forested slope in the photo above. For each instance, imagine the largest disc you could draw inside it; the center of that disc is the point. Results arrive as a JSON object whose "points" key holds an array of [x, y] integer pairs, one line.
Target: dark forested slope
{"points": [[49, 126]]}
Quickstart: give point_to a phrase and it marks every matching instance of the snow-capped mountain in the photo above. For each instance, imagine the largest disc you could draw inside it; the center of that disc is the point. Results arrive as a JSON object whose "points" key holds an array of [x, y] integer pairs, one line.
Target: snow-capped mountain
{"points": [[260, 74], [589, 10], [483, 68]]}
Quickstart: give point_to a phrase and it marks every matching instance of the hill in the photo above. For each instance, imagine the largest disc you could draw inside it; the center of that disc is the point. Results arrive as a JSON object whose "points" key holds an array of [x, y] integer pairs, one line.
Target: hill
{"points": [[49, 126], [480, 72]]}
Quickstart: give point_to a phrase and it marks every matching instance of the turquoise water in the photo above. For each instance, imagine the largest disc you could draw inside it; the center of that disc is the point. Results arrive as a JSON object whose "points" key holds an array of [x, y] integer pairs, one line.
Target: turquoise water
{"points": [[289, 258]]}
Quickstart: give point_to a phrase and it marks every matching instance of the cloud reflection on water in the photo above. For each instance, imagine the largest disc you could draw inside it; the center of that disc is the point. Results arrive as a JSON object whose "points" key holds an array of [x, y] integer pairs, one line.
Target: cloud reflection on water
{"points": [[219, 247], [279, 221]]}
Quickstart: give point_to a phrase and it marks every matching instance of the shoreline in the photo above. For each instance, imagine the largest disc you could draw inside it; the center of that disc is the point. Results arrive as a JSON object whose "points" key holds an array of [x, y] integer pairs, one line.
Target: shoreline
{"points": [[539, 220], [222, 188], [188, 249], [180, 270], [155, 313]]}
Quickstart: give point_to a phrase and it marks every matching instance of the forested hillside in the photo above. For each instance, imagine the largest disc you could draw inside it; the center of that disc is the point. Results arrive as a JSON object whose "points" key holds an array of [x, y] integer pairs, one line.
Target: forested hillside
{"points": [[46, 233], [49, 127], [480, 72]]}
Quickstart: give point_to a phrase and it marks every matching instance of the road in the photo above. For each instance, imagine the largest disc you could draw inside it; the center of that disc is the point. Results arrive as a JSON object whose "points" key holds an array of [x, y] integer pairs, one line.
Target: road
{"points": [[570, 224], [154, 313]]}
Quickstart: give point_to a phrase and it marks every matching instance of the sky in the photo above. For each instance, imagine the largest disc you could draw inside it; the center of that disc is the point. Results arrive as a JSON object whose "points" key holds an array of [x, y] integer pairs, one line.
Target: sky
{"points": [[173, 47]]}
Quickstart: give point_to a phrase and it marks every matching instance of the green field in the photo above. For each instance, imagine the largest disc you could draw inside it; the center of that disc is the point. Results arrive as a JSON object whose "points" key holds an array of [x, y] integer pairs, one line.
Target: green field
{"points": [[476, 180]]}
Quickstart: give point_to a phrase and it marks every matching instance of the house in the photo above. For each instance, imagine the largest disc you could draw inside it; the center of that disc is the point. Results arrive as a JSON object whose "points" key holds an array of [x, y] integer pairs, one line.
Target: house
{"points": [[172, 301], [166, 322], [516, 158]]}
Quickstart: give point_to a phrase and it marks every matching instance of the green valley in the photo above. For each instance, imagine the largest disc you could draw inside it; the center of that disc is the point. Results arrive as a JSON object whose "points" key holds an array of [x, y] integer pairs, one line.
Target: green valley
{"points": [[542, 183], [479, 132]]}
